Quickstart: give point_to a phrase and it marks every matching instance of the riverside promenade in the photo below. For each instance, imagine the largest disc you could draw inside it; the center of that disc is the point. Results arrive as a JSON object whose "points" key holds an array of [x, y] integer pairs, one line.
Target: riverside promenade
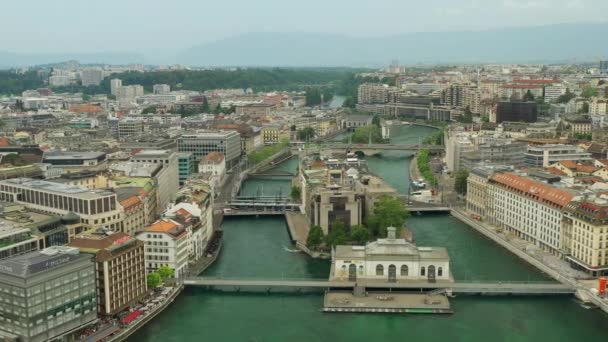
{"points": [[583, 291]]}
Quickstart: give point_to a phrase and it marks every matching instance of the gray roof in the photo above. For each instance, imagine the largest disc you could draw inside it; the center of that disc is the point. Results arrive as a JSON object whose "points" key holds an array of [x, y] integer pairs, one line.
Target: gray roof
{"points": [[61, 155], [391, 248], [33, 263]]}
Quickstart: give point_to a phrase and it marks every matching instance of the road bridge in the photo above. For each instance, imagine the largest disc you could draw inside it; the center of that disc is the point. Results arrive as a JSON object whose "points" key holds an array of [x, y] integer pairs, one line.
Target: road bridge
{"points": [[272, 174], [379, 148], [486, 288]]}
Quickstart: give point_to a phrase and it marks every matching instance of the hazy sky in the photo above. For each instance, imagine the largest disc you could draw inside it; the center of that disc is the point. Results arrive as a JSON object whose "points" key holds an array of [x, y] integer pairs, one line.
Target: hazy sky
{"points": [[136, 25]]}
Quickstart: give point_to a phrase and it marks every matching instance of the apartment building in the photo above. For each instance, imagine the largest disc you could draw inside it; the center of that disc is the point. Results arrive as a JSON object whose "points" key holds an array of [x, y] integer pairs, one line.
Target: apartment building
{"points": [[91, 77], [202, 143], [462, 96], [530, 209], [130, 127], [120, 269], [96, 208], [46, 295], [373, 93], [161, 89], [586, 233], [167, 244]]}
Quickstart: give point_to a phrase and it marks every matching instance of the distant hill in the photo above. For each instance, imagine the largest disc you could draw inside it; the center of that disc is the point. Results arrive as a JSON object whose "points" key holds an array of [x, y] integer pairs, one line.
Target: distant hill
{"points": [[561, 42], [10, 59]]}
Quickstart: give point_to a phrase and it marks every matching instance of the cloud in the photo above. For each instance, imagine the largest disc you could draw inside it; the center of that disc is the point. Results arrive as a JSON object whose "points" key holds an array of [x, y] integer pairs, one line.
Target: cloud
{"points": [[526, 4]]}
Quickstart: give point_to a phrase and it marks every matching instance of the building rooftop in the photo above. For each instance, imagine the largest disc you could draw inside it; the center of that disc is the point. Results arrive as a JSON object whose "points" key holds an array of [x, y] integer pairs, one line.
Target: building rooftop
{"points": [[166, 226], [64, 189], [92, 243], [533, 188], [46, 260], [61, 155]]}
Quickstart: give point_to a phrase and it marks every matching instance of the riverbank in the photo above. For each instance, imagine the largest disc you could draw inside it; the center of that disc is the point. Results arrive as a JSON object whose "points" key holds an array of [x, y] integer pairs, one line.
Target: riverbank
{"points": [[520, 249]]}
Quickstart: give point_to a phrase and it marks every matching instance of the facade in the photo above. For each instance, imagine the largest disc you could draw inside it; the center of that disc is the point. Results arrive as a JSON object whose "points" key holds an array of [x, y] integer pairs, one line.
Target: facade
{"points": [[329, 205], [202, 143], [351, 122], [133, 213], [390, 260], [161, 89], [91, 77], [462, 96], [96, 208], [546, 155], [259, 110], [129, 127], [76, 161], [168, 176], [586, 228], [500, 153], [272, 133], [167, 244], [119, 268], [47, 294], [516, 111], [371, 93], [186, 166], [529, 209], [115, 83]]}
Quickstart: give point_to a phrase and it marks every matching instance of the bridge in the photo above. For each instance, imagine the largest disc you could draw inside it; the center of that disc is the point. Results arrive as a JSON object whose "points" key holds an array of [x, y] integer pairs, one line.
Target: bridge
{"points": [[485, 288], [249, 206], [272, 173], [381, 147]]}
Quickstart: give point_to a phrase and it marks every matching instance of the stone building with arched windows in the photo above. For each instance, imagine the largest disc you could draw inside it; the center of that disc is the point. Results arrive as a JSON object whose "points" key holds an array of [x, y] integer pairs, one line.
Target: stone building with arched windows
{"points": [[390, 260]]}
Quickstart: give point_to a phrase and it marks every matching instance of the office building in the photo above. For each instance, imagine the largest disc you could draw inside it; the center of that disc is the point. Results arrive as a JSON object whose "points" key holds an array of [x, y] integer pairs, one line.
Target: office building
{"points": [[331, 204], [71, 162], [119, 268], [546, 155], [47, 295], [186, 166], [130, 127], [202, 143], [96, 208], [516, 111], [604, 67]]}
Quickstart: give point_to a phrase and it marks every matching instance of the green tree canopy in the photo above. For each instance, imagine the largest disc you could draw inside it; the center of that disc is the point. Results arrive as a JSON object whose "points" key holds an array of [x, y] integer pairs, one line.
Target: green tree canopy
{"points": [[589, 91], [315, 237], [460, 184], [205, 106], [376, 121], [388, 211], [306, 134], [362, 134], [166, 272], [149, 110], [350, 102], [528, 96], [359, 234], [337, 234], [566, 97], [153, 279]]}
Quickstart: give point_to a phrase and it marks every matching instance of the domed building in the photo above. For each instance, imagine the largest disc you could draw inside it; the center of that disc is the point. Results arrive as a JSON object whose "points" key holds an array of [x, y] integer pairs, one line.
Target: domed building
{"points": [[390, 260]]}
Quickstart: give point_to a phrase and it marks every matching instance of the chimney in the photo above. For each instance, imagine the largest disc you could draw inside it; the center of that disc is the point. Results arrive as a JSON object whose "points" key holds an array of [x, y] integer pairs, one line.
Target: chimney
{"points": [[391, 233]]}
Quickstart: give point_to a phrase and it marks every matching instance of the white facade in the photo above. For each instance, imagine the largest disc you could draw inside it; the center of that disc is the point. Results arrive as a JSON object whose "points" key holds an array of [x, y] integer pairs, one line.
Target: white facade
{"points": [[168, 177], [166, 245], [390, 260]]}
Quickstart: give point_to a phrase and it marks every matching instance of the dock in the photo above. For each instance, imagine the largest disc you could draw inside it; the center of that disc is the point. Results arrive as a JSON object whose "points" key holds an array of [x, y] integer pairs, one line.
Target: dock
{"points": [[386, 302]]}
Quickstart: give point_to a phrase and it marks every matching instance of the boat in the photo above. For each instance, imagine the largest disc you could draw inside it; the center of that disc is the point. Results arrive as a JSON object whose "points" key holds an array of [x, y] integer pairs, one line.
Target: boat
{"points": [[291, 250]]}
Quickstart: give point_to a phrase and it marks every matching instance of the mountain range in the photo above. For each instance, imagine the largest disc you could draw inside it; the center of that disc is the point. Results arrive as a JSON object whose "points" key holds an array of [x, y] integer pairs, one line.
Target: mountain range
{"points": [[552, 43]]}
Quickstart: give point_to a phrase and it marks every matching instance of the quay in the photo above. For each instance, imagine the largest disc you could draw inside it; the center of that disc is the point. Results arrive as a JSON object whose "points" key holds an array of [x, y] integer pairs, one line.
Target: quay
{"points": [[481, 288]]}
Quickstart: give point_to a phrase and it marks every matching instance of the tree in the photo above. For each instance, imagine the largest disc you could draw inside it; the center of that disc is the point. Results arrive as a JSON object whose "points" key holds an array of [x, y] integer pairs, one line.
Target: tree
{"points": [[566, 97], [589, 91], [166, 272], [293, 128], [153, 279], [296, 192], [376, 120], [349, 102], [205, 107], [388, 211], [149, 110], [460, 184], [305, 134], [337, 234], [467, 117], [315, 237], [362, 135], [528, 96], [585, 108], [86, 97], [359, 234], [218, 108]]}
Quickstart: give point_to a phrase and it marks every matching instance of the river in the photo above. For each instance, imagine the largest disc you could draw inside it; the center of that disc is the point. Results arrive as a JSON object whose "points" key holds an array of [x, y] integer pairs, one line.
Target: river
{"points": [[255, 247]]}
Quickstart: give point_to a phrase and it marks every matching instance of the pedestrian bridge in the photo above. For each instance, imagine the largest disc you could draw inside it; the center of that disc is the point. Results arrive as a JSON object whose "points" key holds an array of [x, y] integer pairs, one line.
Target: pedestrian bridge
{"points": [[484, 288]]}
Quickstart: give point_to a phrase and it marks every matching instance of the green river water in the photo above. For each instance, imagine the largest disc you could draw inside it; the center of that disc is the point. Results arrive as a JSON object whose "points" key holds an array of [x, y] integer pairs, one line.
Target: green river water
{"points": [[256, 247]]}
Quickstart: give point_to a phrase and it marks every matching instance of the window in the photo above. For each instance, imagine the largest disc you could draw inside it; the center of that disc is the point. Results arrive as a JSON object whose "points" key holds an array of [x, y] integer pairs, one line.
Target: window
{"points": [[440, 271], [405, 271], [379, 270], [422, 271]]}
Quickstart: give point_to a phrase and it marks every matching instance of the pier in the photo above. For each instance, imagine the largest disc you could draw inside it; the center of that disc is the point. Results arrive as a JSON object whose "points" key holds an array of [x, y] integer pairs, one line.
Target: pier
{"points": [[481, 288]]}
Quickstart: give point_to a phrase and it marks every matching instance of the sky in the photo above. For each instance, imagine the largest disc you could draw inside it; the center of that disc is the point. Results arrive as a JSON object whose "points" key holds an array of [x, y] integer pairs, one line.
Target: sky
{"points": [[59, 26]]}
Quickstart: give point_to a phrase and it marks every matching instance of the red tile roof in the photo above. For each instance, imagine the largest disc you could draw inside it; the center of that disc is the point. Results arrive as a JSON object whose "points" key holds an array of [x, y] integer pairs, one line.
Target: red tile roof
{"points": [[534, 189]]}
